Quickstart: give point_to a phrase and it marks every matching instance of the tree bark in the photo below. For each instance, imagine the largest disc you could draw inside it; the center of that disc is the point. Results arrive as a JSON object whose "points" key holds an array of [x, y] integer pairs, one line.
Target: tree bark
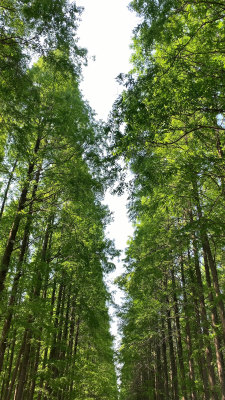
{"points": [[12, 300], [16, 223], [4, 396], [174, 377], [198, 333], [205, 324], [23, 367], [36, 293], [34, 371], [208, 252], [7, 189], [179, 341], [158, 374], [15, 371], [165, 363], [188, 336], [217, 339]]}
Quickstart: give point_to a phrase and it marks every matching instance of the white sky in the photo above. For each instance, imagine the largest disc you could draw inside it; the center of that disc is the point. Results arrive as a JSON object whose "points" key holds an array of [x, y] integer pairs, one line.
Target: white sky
{"points": [[106, 31]]}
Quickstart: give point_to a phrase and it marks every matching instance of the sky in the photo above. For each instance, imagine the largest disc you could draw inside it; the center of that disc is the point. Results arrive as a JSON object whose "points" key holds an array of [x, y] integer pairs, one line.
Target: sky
{"points": [[106, 31]]}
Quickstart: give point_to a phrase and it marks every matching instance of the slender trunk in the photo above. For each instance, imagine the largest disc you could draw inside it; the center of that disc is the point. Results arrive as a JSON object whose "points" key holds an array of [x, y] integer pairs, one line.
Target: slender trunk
{"points": [[77, 337], [209, 356], [71, 341], [7, 189], [3, 378], [221, 155], [72, 325], [205, 324], [15, 371], [59, 344], [174, 377], [66, 323], [7, 381], [42, 268], [37, 358], [16, 223], [75, 352], [36, 293], [158, 374], [208, 252], [63, 351], [60, 326], [179, 341], [34, 371], [165, 363], [46, 350], [23, 249], [188, 336], [54, 349], [215, 323], [198, 333], [212, 265], [23, 368], [45, 359]]}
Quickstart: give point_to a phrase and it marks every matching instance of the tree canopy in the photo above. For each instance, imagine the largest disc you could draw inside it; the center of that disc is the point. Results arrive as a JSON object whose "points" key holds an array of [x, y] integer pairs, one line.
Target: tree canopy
{"points": [[56, 162], [55, 340], [168, 125]]}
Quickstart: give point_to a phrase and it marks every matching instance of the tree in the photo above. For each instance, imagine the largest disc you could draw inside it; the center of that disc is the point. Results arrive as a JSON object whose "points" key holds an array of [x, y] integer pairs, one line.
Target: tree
{"points": [[54, 331], [173, 139]]}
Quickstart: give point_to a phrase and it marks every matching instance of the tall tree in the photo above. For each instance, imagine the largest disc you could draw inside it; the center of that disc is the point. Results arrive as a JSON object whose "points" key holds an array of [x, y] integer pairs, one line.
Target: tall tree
{"points": [[172, 112]]}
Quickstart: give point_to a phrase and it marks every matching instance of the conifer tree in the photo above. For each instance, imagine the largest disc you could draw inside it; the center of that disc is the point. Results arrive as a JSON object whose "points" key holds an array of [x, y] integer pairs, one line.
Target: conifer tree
{"points": [[55, 340], [172, 112]]}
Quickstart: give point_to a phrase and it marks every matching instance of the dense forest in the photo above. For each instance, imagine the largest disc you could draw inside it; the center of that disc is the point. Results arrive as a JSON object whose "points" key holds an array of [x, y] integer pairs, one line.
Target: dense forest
{"points": [[56, 162], [55, 341], [169, 127]]}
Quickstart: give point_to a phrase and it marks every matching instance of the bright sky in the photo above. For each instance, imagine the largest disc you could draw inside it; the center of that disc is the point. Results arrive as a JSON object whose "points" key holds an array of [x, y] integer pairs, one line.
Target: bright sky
{"points": [[106, 31]]}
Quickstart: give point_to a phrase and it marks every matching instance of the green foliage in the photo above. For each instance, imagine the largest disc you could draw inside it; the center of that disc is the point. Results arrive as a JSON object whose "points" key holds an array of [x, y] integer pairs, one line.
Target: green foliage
{"points": [[55, 339], [172, 137]]}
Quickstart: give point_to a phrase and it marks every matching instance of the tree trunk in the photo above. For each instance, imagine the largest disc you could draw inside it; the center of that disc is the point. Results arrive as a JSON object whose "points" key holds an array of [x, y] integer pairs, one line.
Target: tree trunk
{"points": [[46, 350], [205, 324], [3, 377], [179, 341], [7, 189], [221, 155], [34, 371], [188, 336], [4, 396], [207, 250], [15, 371], [165, 363], [75, 352], [16, 223], [198, 333], [217, 339], [174, 377], [77, 337], [53, 351], [23, 368], [35, 295], [159, 383], [12, 300], [209, 356], [71, 341]]}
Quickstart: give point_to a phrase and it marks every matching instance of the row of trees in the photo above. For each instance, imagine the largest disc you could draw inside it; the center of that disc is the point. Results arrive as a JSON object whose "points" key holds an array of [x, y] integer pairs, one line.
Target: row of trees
{"points": [[173, 320], [54, 327]]}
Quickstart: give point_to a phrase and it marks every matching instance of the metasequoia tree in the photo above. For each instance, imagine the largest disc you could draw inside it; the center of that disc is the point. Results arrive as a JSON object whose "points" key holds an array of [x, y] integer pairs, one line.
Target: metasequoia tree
{"points": [[172, 112], [54, 331]]}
